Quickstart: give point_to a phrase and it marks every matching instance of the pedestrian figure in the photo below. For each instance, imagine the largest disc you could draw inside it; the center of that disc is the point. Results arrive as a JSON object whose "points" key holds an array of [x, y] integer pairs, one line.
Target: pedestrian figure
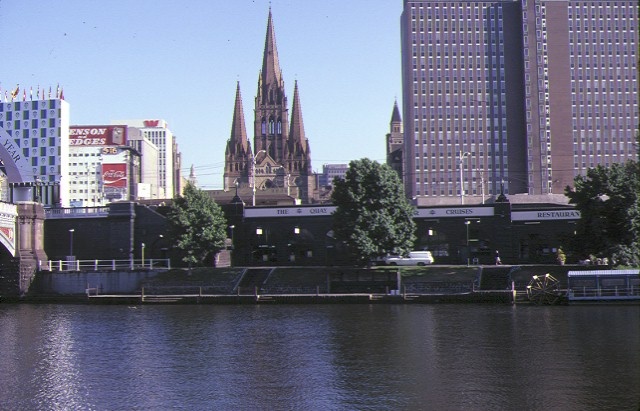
{"points": [[498, 262]]}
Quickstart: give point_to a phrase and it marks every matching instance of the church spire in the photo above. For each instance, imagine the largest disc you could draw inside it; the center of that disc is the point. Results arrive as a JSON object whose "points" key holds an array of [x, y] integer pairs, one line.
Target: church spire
{"points": [[298, 146], [192, 176], [395, 116], [297, 127], [238, 139], [271, 85]]}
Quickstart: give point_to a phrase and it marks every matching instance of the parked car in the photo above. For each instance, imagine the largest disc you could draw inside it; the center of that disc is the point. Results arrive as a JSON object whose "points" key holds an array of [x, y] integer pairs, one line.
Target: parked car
{"points": [[414, 258]]}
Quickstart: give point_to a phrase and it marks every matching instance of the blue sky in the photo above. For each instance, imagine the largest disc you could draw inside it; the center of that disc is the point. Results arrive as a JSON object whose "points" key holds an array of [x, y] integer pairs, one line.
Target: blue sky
{"points": [[180, 61]]}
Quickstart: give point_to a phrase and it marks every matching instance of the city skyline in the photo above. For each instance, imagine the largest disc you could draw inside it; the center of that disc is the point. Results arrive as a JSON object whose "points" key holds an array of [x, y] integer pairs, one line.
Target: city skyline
{"points": [[181, 63]]}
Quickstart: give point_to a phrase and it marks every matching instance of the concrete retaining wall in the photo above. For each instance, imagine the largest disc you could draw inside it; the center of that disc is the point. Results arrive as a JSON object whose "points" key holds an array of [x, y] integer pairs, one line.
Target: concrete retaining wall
{"points": [[106, 282]]}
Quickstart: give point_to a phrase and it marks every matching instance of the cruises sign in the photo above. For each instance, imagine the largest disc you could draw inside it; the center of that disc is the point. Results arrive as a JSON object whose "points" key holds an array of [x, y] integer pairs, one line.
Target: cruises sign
{"points": [[464, 212]]}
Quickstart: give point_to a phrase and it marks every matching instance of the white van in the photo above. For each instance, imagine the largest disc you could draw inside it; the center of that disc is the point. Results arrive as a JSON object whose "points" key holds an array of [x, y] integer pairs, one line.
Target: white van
{"points": [[414, 258]]}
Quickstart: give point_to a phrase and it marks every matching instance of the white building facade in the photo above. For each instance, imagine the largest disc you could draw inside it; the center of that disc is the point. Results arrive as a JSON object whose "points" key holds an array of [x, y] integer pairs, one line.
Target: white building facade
{"points": [[102, 167]]}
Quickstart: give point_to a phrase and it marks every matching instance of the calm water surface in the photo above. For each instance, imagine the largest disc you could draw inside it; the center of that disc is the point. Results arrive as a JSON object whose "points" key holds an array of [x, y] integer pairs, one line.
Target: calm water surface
{"points": [[319, 357]]}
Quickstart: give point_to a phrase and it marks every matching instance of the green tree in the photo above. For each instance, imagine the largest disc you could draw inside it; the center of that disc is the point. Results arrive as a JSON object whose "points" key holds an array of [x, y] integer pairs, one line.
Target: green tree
{"points": [[373, 216], [198, 226], [608, 200]]}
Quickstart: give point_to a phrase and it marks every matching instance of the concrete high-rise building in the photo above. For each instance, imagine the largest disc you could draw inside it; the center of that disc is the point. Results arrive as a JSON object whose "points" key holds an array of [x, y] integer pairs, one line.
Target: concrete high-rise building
{"points": [[34, 140], [515, 96], [148, 188], [281, 155], [158, 132], [331, 171], [102, 167]]}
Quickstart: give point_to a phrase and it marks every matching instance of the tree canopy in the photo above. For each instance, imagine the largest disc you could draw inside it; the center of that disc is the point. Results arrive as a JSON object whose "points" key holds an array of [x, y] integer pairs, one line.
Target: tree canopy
{"points": [[373, 216], [198, 226], [608, 200]]}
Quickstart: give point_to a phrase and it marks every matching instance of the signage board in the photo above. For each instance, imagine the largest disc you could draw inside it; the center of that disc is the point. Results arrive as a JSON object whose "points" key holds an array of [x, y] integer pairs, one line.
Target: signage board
{"points": [[545, 215], [464, 212], [114, 181], [97, 135], [318, 211]]}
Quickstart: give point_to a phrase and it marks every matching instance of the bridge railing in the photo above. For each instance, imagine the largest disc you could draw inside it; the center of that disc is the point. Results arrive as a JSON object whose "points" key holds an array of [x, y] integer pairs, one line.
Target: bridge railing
{"points": [[108, 265], [76, 212]]}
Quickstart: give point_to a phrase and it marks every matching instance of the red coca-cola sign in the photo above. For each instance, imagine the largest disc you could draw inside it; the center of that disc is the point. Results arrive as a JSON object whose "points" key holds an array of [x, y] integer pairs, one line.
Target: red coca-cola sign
{"points": [[114, 175]]}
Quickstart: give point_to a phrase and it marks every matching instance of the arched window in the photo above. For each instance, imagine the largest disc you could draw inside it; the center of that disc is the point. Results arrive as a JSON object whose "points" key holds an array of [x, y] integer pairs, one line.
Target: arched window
{"points": [[279, 131], [271, 130], [264, 126]]}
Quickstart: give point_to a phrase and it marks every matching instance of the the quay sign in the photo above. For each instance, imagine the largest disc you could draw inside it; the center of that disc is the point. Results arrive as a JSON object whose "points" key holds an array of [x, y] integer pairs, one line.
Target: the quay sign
{"points": [[546, 215], [318, 211], [454, 212]]}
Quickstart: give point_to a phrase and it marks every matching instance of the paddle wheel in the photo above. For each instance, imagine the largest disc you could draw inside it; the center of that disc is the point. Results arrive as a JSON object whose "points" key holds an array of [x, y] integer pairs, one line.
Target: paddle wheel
{"points": [[544, 290]]}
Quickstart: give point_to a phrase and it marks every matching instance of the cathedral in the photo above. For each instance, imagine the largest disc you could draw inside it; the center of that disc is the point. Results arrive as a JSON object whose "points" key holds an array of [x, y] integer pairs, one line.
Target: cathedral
{"points": [[279, 163]]}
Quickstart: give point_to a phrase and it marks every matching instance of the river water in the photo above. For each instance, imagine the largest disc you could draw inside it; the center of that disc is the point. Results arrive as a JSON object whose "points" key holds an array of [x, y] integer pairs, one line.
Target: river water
{"points": [[319, 357]]}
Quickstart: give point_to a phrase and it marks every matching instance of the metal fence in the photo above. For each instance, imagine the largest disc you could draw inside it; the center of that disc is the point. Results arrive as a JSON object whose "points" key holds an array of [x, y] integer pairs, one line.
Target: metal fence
{"points": [[107, 265]]}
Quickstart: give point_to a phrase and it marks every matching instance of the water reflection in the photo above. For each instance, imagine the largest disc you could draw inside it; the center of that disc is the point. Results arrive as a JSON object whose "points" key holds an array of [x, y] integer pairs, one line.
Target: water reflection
{"points": [[319, 357]]}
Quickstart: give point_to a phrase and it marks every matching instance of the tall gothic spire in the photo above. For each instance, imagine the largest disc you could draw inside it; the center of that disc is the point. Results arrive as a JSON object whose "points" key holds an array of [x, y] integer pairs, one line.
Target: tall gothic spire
{"points": [[238, 140], [297, 127], [271, 75]]}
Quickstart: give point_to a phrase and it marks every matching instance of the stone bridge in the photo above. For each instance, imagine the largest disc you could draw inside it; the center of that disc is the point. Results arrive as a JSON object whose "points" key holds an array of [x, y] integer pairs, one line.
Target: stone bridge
{"points": [[22, 250]]}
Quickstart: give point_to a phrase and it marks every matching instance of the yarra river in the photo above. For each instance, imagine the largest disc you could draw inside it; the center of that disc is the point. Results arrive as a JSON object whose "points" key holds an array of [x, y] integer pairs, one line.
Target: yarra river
{"points": [[319, 357]]}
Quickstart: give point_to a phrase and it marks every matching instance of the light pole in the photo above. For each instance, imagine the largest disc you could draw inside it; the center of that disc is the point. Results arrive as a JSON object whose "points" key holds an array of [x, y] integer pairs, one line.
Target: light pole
{"points": [[152, 249], [71, 230], [253, 175], [467, 223], [142, 254], [461, 157]]}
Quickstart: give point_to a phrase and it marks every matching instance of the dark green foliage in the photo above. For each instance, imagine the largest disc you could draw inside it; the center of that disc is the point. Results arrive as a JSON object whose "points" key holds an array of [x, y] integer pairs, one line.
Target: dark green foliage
{"points": [[198, 226], [373, 216], [608, 200]]}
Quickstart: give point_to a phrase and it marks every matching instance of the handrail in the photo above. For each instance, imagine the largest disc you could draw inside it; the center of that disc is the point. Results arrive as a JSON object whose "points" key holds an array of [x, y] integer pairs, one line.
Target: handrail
{"points": [[599, 292], [107, 265]]}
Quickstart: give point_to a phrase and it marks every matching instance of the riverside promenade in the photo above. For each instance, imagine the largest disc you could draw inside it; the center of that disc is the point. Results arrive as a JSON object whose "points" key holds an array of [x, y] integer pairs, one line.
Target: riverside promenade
{"points": [[303, 285]]}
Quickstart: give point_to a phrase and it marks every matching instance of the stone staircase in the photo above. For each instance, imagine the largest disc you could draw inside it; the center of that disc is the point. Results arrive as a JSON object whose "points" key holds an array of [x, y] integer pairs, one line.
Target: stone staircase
{"points": [[253, 279]]}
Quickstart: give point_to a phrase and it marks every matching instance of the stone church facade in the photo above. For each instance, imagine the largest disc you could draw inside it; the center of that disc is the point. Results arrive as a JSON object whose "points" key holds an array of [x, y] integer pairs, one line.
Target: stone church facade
{"points": [[279, 161]]}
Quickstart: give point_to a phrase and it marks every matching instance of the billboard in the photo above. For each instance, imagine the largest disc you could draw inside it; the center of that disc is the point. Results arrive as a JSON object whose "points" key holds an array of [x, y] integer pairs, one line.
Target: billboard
{"points": [[97, 136], [114, 181]]}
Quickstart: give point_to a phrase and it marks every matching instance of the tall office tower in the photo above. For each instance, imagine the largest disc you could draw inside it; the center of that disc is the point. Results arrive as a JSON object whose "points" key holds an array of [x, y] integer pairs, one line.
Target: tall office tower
{"points": [[281, 155], [581, 87], [161, 136], [516, 96]]}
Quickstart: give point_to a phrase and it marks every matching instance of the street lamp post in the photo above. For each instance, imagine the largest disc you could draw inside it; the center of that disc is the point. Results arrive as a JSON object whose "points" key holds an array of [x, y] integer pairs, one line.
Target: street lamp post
{"points": [[142, 253], [253, 175], [461, 157], [71, 230], [467, 223]]}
